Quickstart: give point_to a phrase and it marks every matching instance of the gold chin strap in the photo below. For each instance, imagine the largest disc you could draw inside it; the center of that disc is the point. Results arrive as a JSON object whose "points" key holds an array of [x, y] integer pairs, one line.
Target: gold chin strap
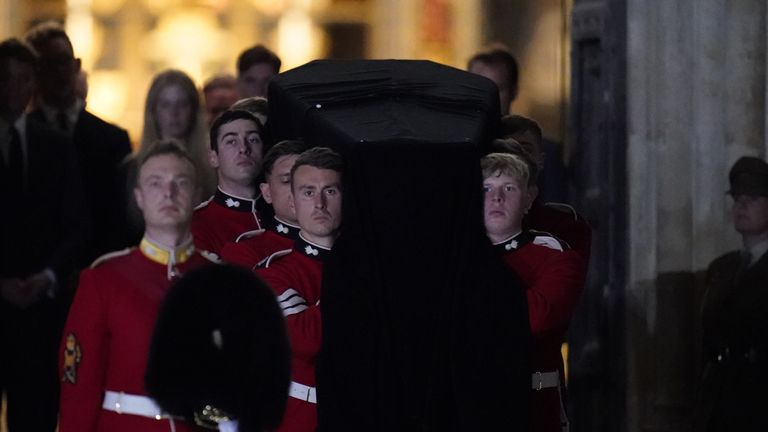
{"points": [[210, 417], [169, 257]]}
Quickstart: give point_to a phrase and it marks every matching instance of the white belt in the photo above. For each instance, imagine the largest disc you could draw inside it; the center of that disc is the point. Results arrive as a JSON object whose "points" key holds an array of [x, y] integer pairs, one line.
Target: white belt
{"points": [[303, 392], [122, 403], [542, 380]]}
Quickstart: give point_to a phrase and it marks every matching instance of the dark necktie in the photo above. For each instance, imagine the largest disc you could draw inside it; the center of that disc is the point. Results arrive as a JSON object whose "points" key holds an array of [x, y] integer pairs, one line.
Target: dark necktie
{"points": [[746, 258], [15, 162], [63, 121]]}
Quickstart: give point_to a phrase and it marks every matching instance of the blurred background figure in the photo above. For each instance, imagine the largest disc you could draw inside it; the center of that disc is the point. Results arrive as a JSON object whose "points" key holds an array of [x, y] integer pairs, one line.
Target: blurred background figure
{"points": [[173, 111], [43, 234], [255, 67], [100, 146], [219, 92]]}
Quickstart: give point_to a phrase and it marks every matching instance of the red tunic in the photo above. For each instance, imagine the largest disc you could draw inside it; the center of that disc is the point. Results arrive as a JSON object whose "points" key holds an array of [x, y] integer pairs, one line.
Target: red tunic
{"points": [[107, 335], [553, 279], [296, 279], [564, 223], [222, 219], [253, 247]]}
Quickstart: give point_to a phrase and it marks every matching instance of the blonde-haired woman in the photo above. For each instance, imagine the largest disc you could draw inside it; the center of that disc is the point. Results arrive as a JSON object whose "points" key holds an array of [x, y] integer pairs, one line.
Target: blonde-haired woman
{"points": [[173, 111]]}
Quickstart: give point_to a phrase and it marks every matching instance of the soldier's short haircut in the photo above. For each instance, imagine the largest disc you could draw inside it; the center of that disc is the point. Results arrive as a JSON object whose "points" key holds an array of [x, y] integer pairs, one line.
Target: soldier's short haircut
{"points": [[255, 105], [522, 150], [283, 148], [319, 157], [513, 125], [229, 116], [257, 54], [165, 147], [19, 50], [497, 164], [499, 55]]}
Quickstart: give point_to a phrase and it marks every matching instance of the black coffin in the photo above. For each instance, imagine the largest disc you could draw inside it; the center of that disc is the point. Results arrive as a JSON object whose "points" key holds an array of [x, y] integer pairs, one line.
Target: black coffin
{"points": [[423, 327]]}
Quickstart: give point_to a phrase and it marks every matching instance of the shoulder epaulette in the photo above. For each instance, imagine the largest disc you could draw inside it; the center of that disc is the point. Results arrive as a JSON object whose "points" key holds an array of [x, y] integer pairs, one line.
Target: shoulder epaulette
{"points": [[563, 208], [110, 255], [249, 234], [204, 203], [268, 260], [546, 239], [210, 256]]}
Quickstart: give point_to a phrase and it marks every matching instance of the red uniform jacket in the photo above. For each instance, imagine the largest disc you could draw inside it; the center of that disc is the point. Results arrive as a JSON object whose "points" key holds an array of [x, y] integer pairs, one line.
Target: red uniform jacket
{"points": [[253, 247], [107, 335], [222, 219], [553, 278], [564, 223], [296, 279]]}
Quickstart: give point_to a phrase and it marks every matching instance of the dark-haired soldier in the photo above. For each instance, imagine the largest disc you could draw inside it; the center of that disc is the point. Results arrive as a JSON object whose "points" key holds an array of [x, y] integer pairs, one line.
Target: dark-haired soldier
{"points": [[236, 152], [42, 240], [296, 277], [280, 233], [107, 335], [255, 68]]}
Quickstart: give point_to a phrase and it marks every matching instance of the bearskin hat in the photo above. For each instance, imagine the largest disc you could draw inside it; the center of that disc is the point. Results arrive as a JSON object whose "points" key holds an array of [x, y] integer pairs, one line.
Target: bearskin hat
{"points": [[220, 344]]}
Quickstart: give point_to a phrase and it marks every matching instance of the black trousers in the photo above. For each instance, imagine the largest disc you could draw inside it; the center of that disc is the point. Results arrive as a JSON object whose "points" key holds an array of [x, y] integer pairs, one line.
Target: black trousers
{"points": [[28, 364]]}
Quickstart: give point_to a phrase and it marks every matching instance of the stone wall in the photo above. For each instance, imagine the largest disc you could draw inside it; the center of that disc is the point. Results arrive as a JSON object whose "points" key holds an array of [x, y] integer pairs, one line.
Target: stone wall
{"points": [[696, 86]]}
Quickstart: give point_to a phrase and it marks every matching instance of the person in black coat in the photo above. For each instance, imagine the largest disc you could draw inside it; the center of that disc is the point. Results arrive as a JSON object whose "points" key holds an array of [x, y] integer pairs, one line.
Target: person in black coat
{"points": [[732, 392], [99, 146], [43, 225]]}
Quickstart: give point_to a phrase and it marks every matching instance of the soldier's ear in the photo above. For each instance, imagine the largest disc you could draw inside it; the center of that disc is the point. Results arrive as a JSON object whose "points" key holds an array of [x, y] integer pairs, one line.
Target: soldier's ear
{"points": [[139, 198], [213, 158], [266, 192]]}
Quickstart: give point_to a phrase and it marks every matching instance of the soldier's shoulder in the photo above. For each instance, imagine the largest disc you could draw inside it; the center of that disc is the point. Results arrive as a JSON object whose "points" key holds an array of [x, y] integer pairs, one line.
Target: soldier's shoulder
{"points": [[547, 240], [249, 235], [111, 257], [275, 258], [203, 204]]}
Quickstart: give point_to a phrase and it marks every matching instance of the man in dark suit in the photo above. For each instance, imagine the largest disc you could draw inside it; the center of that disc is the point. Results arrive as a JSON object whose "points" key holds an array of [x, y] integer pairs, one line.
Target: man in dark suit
{"points": [[42, 234], [733, 393], [100, 146]]}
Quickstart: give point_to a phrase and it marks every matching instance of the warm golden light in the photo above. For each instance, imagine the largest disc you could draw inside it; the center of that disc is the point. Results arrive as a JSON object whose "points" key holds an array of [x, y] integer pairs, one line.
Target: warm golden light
{"points": [[107, 94], [188, 39], [80, 29], [298, 39]]}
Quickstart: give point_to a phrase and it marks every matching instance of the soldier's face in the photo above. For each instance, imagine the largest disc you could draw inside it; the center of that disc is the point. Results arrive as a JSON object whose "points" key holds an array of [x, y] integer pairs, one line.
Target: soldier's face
{"points": [[277, 189], [750, 214], [166, 191], [506, 200], [238, 158], [317, 203]]}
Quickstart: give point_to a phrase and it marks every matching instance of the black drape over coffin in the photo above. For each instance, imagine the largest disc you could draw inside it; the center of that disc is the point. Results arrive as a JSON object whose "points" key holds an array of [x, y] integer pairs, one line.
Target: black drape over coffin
{"points": [[423, 328]]}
